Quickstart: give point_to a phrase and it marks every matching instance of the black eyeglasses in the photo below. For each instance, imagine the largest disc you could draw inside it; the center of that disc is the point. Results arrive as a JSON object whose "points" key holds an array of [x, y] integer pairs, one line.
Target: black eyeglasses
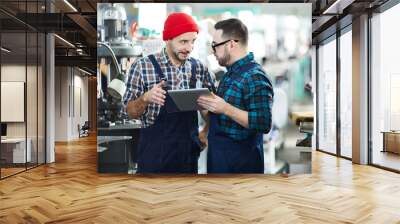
{"points": [[215, 45]]}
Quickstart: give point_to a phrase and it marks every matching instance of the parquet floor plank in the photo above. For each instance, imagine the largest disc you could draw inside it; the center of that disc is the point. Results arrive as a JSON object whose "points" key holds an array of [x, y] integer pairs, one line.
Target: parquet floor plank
{"points": [[71, 191]]}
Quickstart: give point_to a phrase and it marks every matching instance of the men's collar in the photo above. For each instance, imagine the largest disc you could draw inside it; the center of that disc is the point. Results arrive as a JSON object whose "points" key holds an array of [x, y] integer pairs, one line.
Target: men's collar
{"points": [[245, 60]]}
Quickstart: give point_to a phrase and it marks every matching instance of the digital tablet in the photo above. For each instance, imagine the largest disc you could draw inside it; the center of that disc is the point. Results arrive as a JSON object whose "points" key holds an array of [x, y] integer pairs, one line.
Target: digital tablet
{"points": [[186, 99]]}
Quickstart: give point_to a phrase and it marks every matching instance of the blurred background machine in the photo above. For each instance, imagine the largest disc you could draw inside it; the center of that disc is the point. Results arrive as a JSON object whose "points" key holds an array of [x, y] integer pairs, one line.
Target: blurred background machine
{"points": [[117, 135], [115, 53]]}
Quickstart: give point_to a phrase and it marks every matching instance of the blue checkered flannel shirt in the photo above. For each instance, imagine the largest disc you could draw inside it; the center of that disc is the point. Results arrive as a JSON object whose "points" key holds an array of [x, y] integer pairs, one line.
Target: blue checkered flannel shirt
{"points": [[250, 90]]}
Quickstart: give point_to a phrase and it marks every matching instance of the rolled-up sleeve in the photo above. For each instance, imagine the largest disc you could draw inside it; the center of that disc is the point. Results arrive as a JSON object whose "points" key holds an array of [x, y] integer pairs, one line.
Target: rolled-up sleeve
{"points": [[134, 86], [258, 95]]}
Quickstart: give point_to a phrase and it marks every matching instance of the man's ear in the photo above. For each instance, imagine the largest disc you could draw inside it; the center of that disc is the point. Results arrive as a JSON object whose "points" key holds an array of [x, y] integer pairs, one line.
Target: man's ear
{"points": [[234, 43]]}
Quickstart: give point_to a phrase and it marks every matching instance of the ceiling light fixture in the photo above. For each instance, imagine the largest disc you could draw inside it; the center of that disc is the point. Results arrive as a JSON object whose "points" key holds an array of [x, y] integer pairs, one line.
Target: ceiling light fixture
{"points": [[86, 72], [64, 40], [70, 5], [337, 7], [333, 6], [5, 50]]}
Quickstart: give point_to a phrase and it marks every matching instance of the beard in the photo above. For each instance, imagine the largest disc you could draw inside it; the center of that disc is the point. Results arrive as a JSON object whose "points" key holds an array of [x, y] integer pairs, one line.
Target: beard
{"points": [[223, 61], [181, 56]]}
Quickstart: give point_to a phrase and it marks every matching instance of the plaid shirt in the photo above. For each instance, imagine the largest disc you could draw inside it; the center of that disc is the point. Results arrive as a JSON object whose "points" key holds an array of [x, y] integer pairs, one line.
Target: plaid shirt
{"points": [[251, 91], [142, 77]]}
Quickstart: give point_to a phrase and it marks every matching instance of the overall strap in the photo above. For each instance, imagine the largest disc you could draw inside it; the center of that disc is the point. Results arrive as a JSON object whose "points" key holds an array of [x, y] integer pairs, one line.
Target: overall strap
{"points": [[193, 79], [157, 67]]}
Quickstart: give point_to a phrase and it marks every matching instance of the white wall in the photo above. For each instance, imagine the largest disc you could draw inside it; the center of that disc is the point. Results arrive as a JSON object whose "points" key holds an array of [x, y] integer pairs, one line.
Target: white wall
{"points": [[69, 85], [14, 73], [33, 126], [61, 103], [79, 117]]}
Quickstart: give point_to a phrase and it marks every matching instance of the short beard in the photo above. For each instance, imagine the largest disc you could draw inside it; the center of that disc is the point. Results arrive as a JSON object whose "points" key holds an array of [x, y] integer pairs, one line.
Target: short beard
{"points": [[175, 54], [223, 61]]}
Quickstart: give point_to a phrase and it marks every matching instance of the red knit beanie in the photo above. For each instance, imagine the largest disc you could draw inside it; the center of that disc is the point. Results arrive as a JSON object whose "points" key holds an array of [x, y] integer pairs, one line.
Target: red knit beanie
{"points": [[178, 23]]}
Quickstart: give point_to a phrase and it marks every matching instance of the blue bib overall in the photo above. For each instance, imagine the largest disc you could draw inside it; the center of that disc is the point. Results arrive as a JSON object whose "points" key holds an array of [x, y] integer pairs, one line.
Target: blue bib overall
{"points": [[171, 144], [226, 155]]}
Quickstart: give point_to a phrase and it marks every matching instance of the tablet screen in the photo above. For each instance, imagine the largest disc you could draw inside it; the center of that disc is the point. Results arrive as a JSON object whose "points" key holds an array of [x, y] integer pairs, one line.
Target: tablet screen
{"points": [[186, 99]]}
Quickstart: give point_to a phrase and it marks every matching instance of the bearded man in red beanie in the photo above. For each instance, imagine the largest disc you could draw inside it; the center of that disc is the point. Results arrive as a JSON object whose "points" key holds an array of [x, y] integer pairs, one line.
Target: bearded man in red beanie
{"points": [[169, 140]]}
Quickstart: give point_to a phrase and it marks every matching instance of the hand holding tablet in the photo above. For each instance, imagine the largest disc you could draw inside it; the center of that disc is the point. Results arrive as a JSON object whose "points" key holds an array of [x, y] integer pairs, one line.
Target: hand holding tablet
{"points": [[186, 99], [214, 104]]}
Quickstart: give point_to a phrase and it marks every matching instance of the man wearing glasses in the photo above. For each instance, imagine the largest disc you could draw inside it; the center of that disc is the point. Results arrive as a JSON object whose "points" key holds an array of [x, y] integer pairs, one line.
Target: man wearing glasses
{"points": [[240, 112]]}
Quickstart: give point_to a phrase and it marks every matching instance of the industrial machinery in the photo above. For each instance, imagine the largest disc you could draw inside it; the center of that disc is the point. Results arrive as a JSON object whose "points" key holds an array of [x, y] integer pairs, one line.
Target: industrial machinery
{"points": [[117, 135], [114, 52]]}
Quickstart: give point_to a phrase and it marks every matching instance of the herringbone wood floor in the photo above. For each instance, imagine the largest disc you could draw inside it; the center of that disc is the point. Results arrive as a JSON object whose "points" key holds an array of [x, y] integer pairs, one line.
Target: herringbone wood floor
{"points": [[70, 191]]}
